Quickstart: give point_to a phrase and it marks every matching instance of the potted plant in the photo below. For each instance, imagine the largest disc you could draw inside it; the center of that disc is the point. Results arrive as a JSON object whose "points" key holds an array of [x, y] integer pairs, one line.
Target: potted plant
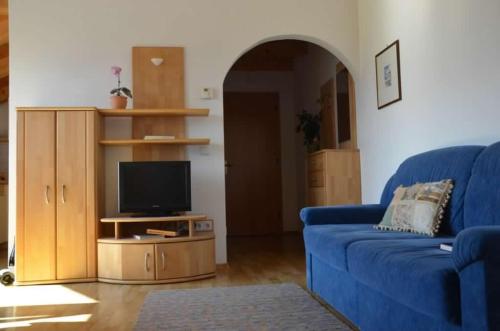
{"points": [[119, 101], [310, 125]]}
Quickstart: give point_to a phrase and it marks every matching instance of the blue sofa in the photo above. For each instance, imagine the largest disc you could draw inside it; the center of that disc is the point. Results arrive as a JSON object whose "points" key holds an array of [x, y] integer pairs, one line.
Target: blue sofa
{"points": [[385, 281]]}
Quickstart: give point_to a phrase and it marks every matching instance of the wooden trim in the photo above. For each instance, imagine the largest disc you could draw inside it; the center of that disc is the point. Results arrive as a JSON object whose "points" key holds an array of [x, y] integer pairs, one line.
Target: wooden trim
{"points": [[335, 151], [196, 237], [19, 240], [159, 281], [153, 112], [399, 75], [56, 281], [135, 142], [352, 111], [91, 192], [21, 109], [154, 219]]}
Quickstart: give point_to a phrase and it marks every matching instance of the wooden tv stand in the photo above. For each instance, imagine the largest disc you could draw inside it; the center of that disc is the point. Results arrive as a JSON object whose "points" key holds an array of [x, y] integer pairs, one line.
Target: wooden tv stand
{"points": [[125, 260]]}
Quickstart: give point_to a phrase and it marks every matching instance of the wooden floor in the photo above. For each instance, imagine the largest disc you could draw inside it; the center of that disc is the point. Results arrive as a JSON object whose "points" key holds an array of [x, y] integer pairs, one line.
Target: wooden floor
{"points": [[99, 306]]}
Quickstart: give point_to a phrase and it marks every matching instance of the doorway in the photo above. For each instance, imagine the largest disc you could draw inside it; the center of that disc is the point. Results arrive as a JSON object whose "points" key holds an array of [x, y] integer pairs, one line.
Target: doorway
{"points": [[253, 169], [266, 172]]}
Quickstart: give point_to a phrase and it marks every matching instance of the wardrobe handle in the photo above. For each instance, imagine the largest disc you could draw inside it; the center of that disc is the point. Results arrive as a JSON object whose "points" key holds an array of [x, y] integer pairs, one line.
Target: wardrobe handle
{"points": [[47, 187], [163, 260], [146, 261], [63, 195]]}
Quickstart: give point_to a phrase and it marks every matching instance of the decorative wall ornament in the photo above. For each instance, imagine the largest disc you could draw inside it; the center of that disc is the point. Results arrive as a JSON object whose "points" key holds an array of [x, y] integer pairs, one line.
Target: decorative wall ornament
{"points": [[157, 61]]}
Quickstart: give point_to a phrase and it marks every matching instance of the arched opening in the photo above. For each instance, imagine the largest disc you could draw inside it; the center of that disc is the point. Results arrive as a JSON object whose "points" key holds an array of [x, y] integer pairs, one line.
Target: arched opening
{"points": [[265, 91]]}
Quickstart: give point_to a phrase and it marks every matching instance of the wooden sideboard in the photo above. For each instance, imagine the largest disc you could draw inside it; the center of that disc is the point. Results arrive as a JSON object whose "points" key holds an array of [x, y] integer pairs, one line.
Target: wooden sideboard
{"points": [[333, 177], [156, 260]]}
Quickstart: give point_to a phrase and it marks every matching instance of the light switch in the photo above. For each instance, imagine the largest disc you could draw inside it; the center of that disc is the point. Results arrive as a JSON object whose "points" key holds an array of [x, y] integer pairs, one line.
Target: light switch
{"points": [[207, 93]]}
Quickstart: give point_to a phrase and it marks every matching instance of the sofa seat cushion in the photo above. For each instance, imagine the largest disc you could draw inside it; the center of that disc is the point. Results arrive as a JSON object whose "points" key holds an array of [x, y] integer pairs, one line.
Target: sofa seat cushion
{"points": [[415, 273], [329, 242]]}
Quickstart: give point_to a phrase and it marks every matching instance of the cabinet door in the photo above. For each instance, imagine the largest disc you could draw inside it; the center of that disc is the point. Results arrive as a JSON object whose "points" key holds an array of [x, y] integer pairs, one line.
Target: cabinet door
{"points": [[137, 262], [185, 259], [71, 195], [37, 213]]}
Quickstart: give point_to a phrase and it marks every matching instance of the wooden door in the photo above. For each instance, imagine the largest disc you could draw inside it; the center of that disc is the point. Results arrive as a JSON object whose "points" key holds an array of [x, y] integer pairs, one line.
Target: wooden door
{"points": [[71, 195], [253, 169], [138, 262], [185, 259], [328, 131], [36, 233]]}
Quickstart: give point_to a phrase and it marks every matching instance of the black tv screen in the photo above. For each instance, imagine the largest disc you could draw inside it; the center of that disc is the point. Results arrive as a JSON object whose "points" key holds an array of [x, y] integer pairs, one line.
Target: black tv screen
{"points": [[157, 187]]}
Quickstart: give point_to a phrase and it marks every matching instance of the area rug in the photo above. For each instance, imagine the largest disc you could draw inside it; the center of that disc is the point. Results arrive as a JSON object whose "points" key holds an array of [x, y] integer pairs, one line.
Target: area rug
{"points": [[262, 307]]}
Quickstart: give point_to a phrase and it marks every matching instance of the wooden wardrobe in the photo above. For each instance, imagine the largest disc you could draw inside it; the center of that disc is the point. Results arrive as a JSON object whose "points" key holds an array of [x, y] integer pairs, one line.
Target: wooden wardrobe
{"points": [[56, 195]]}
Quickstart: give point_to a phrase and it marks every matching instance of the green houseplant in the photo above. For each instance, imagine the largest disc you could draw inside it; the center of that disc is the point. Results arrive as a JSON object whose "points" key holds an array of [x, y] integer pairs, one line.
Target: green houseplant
{"points": [[119, 101], [310, 125]]}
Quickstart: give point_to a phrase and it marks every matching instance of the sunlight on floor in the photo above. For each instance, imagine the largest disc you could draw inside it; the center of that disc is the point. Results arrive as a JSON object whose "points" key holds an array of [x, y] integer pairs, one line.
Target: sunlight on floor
{"points": [[63, 319], [17, 296]]}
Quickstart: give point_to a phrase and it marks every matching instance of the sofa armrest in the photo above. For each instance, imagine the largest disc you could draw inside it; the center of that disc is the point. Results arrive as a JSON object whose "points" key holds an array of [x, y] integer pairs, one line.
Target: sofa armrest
{"points": [[352, 214], [476, 258], [476, 244]]}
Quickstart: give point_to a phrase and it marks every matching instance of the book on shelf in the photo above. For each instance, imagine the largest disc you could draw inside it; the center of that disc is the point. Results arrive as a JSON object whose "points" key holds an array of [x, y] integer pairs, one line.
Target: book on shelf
{"points": [[147, 236], [158, 137], [166, 233], [446, 247]]}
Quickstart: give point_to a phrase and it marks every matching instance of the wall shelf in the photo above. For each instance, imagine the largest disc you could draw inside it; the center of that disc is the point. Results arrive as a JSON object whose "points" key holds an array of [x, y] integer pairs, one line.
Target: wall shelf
{"points": [[135, 142], [153, 112]]}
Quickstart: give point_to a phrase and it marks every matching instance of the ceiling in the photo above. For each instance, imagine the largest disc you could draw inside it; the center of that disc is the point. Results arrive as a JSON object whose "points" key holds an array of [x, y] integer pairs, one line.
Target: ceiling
{"points": [[276, 55]]}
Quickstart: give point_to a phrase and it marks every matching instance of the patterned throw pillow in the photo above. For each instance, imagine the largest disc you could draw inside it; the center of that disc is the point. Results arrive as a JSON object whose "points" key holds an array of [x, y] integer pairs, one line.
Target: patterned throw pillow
{"points": [[418, 208]]}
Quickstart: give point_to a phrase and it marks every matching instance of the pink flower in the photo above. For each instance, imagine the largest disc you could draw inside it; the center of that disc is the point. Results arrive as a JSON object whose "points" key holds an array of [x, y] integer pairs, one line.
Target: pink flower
{"points": [[115, 70]]}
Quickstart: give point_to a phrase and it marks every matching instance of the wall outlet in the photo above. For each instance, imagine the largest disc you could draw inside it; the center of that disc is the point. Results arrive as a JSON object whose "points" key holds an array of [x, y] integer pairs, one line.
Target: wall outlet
{"points": [[207, 225]]}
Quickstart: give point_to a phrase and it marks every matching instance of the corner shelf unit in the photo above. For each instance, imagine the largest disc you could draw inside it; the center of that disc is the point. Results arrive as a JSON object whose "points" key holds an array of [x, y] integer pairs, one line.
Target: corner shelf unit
{"points": [[179, 141], [153, 112], [190, 219], [164, 112], [155, 260]]}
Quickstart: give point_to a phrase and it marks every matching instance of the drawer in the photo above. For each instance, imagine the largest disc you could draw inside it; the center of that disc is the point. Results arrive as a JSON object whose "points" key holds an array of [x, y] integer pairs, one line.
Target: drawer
{"points": [[317, 197], [316, 178], [316, 162]]}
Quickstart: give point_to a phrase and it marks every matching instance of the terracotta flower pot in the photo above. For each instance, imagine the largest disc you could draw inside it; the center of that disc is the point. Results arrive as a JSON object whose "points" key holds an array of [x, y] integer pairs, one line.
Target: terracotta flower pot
{"points": [[118, 102]]}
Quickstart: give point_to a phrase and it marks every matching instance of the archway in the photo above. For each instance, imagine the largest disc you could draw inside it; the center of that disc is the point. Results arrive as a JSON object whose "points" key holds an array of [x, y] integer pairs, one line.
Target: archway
{"points": [[262, 149]]}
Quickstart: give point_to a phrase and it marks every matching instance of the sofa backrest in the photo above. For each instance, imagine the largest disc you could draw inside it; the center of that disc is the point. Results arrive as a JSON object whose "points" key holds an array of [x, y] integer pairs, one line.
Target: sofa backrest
{"points": [[482, 199], [448, 163]]}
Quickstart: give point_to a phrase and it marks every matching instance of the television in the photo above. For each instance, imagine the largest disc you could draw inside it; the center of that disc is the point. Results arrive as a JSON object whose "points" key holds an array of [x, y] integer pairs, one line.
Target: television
{"points": [[154, 188]]}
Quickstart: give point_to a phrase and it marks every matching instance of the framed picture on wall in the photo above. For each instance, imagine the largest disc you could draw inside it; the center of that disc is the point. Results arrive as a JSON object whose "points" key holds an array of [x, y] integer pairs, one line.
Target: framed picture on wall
{"points": [[388, 72]]}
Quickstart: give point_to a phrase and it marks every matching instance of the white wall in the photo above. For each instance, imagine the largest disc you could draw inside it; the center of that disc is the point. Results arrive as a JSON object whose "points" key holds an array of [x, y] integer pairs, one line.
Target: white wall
{"points": [[450, 81], [61, 51]]}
